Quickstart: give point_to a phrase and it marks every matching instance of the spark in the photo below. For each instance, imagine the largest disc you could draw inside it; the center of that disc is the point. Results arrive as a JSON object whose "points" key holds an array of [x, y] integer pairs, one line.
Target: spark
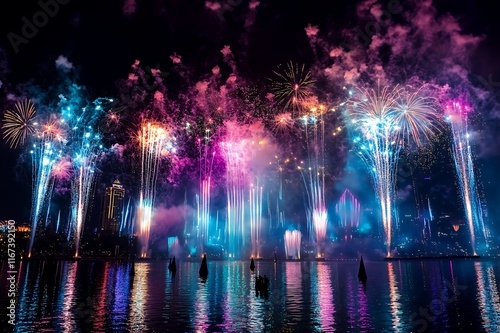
{"points": [[457, 114], [384, 121], [292, 86], [18, 123], [155, 143]]}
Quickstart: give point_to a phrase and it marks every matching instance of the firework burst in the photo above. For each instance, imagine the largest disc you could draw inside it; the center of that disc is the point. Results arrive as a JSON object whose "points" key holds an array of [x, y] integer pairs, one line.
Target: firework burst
{"points": [[283, 123], [384, 121], [292, 86], [416, 114], [18, 123]]}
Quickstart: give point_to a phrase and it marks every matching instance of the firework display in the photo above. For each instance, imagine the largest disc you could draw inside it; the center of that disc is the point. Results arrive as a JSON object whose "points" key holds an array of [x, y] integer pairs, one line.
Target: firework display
{"points": [[155, 143], [45, 152], [239, 157], [330, 166], [457, 114], [18, 124], [203, 200], [385, 119]]}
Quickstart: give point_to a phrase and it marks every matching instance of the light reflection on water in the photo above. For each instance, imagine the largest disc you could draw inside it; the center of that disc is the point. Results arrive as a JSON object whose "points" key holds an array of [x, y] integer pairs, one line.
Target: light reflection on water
{"points": [[394, 295], [85, 296], [139, 298], [324, 297], [488, 298], [68, 302]]}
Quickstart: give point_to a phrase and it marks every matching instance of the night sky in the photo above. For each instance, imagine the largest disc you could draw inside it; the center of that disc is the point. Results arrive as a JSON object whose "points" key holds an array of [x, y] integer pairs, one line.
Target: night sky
{"points": [[102, 41]]}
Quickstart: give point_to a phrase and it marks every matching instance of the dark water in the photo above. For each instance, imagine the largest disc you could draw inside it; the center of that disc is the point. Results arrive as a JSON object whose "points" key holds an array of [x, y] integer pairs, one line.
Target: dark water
{"points": [[86, 296]]}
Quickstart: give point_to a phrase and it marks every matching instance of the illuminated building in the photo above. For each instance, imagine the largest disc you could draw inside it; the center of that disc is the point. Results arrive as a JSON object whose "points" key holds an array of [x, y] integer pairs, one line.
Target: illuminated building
{"points": [[112, 208]]}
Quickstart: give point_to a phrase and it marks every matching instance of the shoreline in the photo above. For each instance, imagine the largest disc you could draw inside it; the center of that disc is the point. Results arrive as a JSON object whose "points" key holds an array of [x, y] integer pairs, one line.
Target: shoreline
{"points": [[118, 259], [434, 257]]}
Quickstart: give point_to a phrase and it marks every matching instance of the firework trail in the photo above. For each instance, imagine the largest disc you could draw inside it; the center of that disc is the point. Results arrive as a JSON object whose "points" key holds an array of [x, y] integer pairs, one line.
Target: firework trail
{"points": [[86, 148], [246, 152], [18, 125], [314, 176], [155, 143], [292, 244], [384, 121], [206, 160], [457, 115], [280, 214], [45, 152], [255, 208], [124, 223], [84, 164], [58, 221], [234, 155]]}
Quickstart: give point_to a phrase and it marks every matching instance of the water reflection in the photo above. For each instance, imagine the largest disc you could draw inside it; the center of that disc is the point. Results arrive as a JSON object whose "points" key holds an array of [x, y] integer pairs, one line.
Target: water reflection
{"points": [[358, 313], [24, 299], [323, 304], [293, 301], [139, 298], [394, 297], [228, 298], [69, 292], [255, 308], [201, 308], [352, 308], [100, 309], [364, 321], [88, 296], [121, 295], [488, 298]]}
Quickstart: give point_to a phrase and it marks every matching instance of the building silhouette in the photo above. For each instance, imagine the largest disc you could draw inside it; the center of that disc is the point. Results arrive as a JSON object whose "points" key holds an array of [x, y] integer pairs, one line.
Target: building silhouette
{"points": [[112, 208]]}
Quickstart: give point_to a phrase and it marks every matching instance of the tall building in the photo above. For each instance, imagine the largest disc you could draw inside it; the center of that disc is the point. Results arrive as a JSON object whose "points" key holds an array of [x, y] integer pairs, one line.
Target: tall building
{"points": [[112, 208]]}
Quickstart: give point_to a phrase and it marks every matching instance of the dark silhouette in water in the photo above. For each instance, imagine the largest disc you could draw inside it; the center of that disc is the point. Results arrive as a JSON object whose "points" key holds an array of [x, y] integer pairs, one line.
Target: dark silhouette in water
{"points": [[172, 266], [252, 265], [262, 286], [362, 272], [204, 267]]}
